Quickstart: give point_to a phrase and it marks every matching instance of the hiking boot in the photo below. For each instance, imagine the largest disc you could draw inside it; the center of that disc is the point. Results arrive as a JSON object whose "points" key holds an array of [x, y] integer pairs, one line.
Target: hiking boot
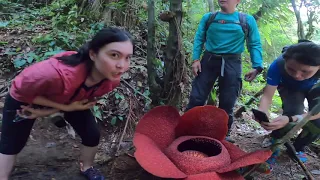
{"points": [[273, 158], [93, 174]]}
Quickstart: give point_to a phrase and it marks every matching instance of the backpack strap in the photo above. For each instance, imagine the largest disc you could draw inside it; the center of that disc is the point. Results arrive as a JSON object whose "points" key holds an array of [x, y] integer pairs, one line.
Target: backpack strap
{"points": [[245, 27], [209, 21]]}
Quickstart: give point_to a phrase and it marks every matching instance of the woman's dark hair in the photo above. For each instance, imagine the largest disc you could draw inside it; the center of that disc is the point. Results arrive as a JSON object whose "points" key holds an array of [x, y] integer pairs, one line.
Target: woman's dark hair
{"points": [[103, 37], [307, 53], [303, 40]]}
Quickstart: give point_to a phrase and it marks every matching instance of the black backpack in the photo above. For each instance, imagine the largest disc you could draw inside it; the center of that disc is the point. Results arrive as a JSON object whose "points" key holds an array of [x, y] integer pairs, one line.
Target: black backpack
{"points": [[242, 22]]}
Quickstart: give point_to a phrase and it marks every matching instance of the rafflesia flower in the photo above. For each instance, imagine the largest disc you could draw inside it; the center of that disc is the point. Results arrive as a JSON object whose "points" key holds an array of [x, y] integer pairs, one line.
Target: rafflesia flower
{"points": [[191, 146]]}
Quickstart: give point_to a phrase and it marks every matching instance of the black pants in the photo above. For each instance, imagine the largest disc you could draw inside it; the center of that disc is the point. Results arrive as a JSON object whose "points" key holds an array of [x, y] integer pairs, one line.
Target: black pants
{"points": [[14, 135], [293, 104], [228, 69]]}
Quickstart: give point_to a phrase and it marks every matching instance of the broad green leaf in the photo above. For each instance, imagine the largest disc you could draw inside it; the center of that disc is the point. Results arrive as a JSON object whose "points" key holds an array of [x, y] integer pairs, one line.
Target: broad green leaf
{"points": [[11, 53], [95, 108], [4, 23], [19, 63], [51, 53], [30, 59], [98, 115], [114, 120], [52, 43], [119, 96]]}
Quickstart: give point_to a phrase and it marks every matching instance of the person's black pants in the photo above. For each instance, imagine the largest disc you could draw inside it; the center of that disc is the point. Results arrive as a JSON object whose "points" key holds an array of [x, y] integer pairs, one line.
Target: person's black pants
{"points": [[293, 104], [228, 69], [14, 135]]}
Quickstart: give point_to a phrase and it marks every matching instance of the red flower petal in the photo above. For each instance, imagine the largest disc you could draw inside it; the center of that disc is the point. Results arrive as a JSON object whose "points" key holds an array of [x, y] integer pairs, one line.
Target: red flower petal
{"points": [[194, 163], [153, 160], [234, 151], [159, 125], [215, 176], [206, 120], [241, 159]]}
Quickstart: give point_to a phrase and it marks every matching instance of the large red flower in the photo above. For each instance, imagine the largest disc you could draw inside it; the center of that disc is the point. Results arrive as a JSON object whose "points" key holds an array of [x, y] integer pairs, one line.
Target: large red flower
{"points": [[190, 146]]}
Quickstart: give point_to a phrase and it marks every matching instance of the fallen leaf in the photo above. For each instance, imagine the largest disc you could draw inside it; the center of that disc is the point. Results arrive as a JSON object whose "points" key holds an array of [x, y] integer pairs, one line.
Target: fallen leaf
{"points": [[71, 131], [316, 172]]}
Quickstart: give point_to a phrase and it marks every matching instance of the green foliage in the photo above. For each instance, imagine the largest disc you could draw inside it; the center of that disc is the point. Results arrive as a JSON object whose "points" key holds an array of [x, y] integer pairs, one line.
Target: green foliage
{"points": [[119, 96], [115, 119], [66, 29], [97, 112]]}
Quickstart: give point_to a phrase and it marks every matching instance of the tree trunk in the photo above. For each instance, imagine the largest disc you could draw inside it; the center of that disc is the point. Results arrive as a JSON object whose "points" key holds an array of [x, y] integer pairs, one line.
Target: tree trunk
{"points": [[174, 62], [211, 5], [151, 64], [300, 30]]}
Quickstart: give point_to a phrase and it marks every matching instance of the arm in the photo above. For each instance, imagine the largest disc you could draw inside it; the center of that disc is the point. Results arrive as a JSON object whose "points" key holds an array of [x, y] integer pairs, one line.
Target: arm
{"points": [[282, 121], [273, 80], [254, 44], [266, 98], [199, 38], [40, 100], [296, 118], [36, 82]]}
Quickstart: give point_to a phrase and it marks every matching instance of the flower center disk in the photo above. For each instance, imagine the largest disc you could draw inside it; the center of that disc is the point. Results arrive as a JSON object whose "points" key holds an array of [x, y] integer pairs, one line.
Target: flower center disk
{"points": [[197, 154], [200, 147]]}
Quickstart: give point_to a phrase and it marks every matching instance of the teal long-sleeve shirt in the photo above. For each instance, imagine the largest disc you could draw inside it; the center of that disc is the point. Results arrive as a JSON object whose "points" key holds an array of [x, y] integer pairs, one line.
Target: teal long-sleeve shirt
{"points": [[228, 38]]}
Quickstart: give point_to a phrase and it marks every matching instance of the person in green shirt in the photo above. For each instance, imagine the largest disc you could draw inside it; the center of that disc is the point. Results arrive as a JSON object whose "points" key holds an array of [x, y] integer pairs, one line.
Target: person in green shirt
{"points": [[224, 41]]}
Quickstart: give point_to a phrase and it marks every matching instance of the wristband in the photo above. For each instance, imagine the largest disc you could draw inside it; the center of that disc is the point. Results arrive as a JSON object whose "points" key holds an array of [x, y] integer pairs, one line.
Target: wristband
{"points": [[290, 119], [259, 69]]}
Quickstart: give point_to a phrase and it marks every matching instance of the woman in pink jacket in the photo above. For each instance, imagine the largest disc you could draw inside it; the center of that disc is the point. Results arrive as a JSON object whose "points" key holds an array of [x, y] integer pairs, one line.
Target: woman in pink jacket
{"points": [[66, 82]]}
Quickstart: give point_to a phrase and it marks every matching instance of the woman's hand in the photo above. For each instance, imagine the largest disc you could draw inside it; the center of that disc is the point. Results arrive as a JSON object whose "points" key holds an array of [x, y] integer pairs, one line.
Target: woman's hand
{"points": [[276, 123], [80, 105], [28, 112]]}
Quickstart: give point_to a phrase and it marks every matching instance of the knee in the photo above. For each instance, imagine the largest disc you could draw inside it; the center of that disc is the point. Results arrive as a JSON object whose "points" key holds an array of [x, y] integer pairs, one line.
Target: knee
{"points": [[92, 138], [316, 123], [12, 148]]}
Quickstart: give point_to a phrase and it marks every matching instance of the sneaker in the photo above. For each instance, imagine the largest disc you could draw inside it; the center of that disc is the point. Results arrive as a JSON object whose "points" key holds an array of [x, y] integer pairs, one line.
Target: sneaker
{"points": [[273, 158], [93, 174], [264, 168], [267, 167], [302, 156]]}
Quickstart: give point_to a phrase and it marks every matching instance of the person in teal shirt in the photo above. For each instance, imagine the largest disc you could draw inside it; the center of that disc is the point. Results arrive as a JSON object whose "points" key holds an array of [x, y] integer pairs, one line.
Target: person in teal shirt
{"points": [[224, 41]]}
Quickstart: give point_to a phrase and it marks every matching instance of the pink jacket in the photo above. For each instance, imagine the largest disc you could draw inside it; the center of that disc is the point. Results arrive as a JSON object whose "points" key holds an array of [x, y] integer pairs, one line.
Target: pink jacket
{"points": [[57, 82]]}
